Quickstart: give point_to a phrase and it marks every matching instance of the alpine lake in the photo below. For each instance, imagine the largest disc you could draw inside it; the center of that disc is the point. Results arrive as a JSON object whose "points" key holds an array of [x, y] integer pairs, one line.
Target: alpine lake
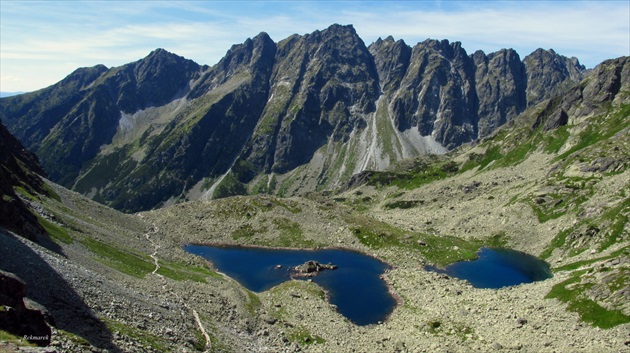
{"points": [[498, 268], [355, 286]]}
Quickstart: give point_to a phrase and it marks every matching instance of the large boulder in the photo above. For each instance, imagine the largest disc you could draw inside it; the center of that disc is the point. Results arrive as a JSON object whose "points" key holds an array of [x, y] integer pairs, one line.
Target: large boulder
{"points": [[20, 315]]}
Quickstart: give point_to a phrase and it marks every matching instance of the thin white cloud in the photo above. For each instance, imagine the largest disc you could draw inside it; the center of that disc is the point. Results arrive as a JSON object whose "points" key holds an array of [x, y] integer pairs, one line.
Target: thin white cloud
{"points": [[11, 78], [565, 28], [42, 40]]}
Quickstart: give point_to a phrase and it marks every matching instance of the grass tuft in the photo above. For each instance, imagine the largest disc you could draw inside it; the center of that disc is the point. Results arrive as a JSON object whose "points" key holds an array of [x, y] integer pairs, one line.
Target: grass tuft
{"points": [[572, 290], [57, 233], [125, 261]]}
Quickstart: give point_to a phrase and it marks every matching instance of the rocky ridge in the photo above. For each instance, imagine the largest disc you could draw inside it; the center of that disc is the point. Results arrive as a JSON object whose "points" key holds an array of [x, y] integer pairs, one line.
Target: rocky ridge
{"points": [[302, 114]]}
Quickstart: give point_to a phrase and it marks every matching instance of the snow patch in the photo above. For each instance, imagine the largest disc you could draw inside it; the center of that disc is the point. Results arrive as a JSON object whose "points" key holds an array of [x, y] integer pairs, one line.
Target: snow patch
{"points": [[373, 157], [269, 180], [207, 195], [422, 144], [131, 126], [125, 123]]}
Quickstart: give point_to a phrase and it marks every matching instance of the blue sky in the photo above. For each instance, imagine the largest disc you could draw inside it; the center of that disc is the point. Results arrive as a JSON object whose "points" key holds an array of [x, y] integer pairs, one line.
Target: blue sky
{"points": [[41, 42]]}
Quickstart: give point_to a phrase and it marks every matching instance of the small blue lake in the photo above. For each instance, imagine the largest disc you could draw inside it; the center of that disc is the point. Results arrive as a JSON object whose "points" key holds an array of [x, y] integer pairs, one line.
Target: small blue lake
{"points": [[497, 268], [355, 287]]}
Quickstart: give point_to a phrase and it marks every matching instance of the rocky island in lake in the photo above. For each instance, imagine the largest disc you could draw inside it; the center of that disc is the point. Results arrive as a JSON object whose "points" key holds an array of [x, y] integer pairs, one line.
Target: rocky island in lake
{"points": [[311, 269]]}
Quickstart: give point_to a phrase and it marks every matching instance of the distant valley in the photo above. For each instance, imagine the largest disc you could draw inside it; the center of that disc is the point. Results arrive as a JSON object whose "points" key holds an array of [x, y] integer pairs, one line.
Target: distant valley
{"points": [[9, 94]]}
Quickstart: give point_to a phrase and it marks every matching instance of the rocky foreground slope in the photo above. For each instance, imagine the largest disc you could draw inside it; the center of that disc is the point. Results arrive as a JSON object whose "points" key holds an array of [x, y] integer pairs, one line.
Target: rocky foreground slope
{"points": [[553, 183]]}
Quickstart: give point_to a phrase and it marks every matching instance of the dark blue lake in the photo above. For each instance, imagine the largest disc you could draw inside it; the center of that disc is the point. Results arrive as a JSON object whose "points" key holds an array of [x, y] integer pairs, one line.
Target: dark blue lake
{"points": [[497, 268], [355, 287]]}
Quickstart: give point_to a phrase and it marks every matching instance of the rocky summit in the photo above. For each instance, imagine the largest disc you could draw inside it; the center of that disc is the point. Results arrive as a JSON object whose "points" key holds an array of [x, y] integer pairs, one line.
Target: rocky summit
{"points": [[303, 114], [419, 156]]}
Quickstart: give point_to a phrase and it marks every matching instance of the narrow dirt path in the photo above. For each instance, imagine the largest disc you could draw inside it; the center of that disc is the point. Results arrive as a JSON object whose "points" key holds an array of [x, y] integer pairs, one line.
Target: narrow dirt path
{"points": [[202, 329], [197, 321], [153, 230]]}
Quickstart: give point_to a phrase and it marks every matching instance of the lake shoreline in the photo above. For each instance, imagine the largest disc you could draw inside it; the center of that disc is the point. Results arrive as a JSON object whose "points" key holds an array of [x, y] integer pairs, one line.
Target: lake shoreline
{"points": [[383, 276], [496, 268]]}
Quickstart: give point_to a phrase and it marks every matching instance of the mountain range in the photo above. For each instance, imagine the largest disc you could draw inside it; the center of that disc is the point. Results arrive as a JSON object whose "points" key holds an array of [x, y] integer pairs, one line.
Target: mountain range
{"points": [[303, 114]]}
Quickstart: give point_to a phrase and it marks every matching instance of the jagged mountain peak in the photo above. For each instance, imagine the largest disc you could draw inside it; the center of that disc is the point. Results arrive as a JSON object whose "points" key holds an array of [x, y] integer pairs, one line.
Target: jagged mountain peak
{"points": [[263, 39], [335, 31], [159, 58], [506, 54], [160, 52], [260, 39], [389, 38], [155, 63], [542, 51], [334, 35], [443, 46], [549, 56], [391, 59], [249, 59], [388, 41], [243, 53], [339, 28], [547, 70], [151, 81], [85, 75]]}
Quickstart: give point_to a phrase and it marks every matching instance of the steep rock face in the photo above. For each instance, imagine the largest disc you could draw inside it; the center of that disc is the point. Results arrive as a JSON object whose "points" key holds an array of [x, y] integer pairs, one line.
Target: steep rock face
{"points": [[607, 79], [453, 97], [305, 113], [602, 85], [321, 85], [501, 82], [548, 73], [437, 87], [18, 168], [430, 88], [392, 61], [89, 104], [152, 81]]}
